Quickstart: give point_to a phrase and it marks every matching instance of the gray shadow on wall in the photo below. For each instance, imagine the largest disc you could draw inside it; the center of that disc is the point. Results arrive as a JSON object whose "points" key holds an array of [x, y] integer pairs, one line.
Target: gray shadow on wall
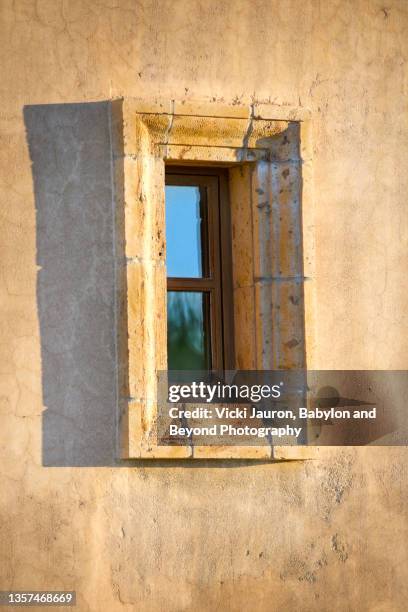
{"points": [[70, 149]]}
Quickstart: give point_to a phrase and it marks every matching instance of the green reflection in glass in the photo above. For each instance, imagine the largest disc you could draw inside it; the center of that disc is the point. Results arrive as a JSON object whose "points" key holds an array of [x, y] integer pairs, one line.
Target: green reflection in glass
{"points": [[187, 330]]}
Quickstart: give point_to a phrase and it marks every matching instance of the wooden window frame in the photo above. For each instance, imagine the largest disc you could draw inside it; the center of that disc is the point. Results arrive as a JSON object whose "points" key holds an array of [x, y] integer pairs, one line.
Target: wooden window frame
{"points": [[216, 244]]}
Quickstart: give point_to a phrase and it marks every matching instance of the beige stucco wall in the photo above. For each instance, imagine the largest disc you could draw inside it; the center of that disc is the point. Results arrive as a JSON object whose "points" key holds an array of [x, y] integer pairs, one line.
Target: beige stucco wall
{"points": [[328, 534]]}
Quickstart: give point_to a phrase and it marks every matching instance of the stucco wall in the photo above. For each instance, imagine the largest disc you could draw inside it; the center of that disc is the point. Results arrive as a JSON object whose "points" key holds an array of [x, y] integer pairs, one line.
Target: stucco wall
{"points": [[322, 535]]}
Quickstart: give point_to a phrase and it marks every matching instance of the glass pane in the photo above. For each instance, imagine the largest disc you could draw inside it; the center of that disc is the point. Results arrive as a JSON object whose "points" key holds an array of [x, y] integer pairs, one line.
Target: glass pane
{"points": [[188, 343], [184, 226]]}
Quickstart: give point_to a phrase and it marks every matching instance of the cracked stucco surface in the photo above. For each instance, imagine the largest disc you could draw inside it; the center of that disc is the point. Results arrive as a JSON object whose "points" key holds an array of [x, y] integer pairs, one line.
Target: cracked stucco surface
{"points": [[322, 535]]}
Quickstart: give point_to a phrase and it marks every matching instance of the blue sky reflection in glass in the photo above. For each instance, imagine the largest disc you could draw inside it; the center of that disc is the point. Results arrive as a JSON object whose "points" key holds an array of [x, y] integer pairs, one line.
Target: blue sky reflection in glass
{"points": [[183, 232]]}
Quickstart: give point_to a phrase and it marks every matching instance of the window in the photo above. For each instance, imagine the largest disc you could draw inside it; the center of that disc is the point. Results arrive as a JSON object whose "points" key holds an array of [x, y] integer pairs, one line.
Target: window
{"points": [[260, 229], [199, 294]]}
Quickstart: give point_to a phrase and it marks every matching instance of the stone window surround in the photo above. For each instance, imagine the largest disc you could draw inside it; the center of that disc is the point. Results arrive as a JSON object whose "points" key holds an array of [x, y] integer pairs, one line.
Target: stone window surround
{"points": [[268, 151]]}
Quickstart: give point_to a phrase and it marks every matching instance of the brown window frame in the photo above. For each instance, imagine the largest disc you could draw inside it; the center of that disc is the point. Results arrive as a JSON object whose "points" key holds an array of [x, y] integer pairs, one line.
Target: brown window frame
{"points": [[216, 241]]}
